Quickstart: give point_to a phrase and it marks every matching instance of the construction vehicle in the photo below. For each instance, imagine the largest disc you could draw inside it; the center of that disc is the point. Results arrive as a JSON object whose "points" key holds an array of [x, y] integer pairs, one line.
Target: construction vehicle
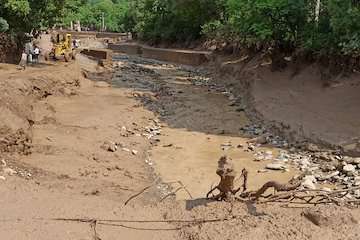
{"points": [[62, 48]]}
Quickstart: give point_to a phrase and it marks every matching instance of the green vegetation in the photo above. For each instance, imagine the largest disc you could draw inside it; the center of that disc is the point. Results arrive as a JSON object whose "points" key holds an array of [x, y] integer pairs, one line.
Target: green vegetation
{"points": [[90, 13], [172, 20], [25, 15], [285, 25]]}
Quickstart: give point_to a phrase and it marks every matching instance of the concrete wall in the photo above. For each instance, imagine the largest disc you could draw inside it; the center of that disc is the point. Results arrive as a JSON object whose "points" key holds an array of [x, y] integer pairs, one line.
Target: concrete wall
{"points": [[128, 48], [99, 54], [194, 58], [92, 34], [186, 57]]}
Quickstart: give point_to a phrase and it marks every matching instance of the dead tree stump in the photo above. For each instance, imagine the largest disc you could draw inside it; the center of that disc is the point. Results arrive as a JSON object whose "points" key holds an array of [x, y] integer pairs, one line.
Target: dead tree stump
{"points": [[227, 175]]}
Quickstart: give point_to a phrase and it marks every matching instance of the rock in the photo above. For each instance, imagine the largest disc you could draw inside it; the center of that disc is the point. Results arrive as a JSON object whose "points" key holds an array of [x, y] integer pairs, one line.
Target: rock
{"points": [[312, 147], [349, 169], [251, 147], [347, 159], [126, 149], [109, 146], [258, 157], [356, 181], [275, 166], [226, 146], [308, 184], [262, 139], [2, 178], [9, 171], [268, 155], [357, 193], [328, 167], [134, 152], [283, 156], [311, 178], [101, 84], [355, 161], [329, 176]]}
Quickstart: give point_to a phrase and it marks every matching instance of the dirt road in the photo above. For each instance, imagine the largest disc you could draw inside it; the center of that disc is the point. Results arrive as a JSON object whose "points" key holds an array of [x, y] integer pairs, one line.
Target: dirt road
{"points": [[91, 144]]}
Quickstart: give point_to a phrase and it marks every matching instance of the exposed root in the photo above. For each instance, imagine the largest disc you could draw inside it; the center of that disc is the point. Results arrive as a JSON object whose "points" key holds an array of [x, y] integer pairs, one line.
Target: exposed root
{"points": [[283, 193], [277, 187], [182, 187], [227, 176], [93, 227]]}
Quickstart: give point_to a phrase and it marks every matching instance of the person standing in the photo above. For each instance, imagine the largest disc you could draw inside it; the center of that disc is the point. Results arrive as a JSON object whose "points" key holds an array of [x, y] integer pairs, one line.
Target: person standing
{"points": [[29, 51], [23, 60], [36, 54]]}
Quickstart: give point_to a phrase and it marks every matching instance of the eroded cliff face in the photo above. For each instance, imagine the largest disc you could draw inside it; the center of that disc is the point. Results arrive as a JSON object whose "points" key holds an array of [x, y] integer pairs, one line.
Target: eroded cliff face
{"points": [[10, 49]]}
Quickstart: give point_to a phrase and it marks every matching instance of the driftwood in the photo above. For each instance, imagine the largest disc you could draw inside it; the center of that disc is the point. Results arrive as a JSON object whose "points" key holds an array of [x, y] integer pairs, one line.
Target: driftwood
{"points": [[226, 186], [283, 193], [277, 187]]}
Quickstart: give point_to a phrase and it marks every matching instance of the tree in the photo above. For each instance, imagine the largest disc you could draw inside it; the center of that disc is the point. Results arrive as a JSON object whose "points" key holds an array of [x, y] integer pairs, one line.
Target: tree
{"points": [[25, 15]]}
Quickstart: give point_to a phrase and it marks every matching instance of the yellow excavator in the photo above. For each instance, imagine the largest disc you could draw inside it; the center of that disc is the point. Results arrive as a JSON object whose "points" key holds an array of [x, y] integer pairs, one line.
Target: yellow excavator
{"points": [[62, 48]]}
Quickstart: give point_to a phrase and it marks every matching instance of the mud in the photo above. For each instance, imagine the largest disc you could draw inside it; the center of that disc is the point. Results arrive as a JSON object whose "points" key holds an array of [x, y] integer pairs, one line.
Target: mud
{"points": [[160, 122], [199, 126]]}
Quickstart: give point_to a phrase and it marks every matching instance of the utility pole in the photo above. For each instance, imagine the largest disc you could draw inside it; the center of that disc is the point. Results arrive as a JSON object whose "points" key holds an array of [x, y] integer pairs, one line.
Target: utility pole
{"points": [[103, 22]]}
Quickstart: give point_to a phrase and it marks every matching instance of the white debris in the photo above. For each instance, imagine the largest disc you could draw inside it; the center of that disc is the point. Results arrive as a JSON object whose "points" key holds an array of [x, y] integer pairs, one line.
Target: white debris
{"points": [[275, 166]]}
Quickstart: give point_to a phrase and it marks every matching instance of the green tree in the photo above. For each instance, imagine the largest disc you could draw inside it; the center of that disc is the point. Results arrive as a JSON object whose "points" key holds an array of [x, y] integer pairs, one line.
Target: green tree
{"points": [[25, 15]]}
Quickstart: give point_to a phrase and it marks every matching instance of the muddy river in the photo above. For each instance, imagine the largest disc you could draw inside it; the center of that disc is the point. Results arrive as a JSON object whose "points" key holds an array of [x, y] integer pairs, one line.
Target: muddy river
{"points": [[199, 124]]}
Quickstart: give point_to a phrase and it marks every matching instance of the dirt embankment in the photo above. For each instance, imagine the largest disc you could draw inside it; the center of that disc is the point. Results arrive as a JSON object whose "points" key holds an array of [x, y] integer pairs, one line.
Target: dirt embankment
{"points": [[87, 154], [10, 49], [20, 91], [304, 102], [298, 102]]}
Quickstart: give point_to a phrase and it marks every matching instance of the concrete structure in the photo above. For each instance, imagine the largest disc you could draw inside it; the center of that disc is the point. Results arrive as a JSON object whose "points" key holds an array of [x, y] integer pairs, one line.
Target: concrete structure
{"points": [[187, 57], [99, 54]]}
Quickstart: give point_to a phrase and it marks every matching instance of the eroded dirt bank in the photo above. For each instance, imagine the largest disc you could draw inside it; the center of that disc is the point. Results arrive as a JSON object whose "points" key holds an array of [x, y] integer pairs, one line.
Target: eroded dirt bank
{"points": [[301, 101]]}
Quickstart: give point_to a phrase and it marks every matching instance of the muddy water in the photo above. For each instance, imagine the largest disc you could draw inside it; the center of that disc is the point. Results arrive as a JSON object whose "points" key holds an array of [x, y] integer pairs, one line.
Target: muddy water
{"points": [[199, 126]]}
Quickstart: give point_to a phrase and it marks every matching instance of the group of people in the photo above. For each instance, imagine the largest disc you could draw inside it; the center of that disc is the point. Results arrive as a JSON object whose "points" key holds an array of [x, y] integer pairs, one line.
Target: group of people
{"points": [[30, 54]]}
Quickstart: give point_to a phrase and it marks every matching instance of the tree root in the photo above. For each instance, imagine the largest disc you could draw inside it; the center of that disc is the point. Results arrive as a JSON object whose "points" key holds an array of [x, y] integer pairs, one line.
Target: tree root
{"points": [[283, 193], [226, 187], [277, 187], [182, 187]]}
